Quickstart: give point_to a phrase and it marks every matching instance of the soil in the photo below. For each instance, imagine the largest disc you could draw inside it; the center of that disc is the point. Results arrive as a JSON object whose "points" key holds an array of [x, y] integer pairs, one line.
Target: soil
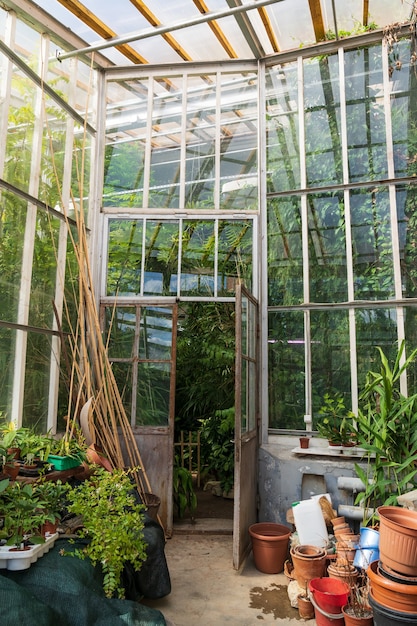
{"points": [[211, 506]]}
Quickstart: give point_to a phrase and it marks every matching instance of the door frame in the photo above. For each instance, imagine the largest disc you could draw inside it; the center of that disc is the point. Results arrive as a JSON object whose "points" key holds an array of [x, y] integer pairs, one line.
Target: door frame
{"points": [[247, 422]]}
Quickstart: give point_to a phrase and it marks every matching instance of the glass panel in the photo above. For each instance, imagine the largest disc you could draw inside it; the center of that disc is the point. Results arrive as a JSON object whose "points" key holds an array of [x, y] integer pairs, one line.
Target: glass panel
{"points": [[285, 252], [13, 219], [123, 373], [155, 333], [282, 135], [197, 258], [410, 322], [286, 376], [19, 139], [330, 358], [327, 248], [124, 257], [407, 226], [235, 252], [403, 84], [161, 258], [239, 141], [252, 396], [7, 353], [200, 142], [374, 327], [120, 329], [372, 244], [164, 183], [43, 286], [365, 115], [322, 121], [126, 123], [244, 396], [153, 393], [36, 394]]}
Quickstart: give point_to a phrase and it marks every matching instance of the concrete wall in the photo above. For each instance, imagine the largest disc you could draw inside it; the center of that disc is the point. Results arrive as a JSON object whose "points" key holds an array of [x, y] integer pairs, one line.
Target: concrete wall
{"points": [[286, 476]]}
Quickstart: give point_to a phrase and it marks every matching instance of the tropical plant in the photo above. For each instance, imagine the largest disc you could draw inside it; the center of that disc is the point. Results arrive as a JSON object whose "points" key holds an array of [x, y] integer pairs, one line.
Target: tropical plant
{"points": [[336, 424], [183, 490], [113, 522], [24, 514], [53, 495], [217, 447], [387, 430]]}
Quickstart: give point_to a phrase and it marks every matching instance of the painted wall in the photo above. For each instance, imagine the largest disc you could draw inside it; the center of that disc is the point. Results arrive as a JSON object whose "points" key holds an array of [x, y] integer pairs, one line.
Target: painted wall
{"points": [[286, 477]]}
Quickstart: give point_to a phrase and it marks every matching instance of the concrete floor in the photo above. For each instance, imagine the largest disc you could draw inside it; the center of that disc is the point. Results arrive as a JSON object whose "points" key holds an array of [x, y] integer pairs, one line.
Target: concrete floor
{"points": [[207, 590]]}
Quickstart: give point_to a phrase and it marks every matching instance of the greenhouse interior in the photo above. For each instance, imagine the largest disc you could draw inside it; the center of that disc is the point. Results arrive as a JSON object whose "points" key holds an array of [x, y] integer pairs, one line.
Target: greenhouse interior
{"points": [[208, 268]]}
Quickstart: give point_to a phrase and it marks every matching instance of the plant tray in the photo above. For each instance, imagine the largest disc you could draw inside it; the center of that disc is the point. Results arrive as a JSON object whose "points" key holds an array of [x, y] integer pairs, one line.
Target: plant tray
{"points": [[63, 462], [23, 559]]}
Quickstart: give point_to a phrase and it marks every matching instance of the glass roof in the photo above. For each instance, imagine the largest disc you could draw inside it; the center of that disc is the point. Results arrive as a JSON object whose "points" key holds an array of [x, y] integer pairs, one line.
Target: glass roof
{"points": [[184, 30]]}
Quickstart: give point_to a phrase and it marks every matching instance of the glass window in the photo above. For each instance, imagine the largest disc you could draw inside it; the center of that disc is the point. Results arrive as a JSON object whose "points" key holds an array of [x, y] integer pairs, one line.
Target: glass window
{"points": [[286, 373], [282, 128], [330, 357], [235, 255], [285, 251], [365, 115], [124, 264], [372, 244], [197, 257], [322, 121], [327, 247], [161, 258]]}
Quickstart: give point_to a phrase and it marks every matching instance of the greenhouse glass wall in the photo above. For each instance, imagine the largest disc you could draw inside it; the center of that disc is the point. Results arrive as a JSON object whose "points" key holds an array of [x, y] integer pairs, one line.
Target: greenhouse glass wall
{"points": [[294, 175], [307, 196]]}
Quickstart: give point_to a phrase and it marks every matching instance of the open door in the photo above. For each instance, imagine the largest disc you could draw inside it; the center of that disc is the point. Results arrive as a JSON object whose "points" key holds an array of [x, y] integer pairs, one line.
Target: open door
{"points": [[246, 423]]}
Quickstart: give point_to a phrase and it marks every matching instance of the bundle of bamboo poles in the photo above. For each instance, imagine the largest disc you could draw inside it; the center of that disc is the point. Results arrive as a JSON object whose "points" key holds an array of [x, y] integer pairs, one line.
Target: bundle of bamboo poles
{"points": [[93, 383]]}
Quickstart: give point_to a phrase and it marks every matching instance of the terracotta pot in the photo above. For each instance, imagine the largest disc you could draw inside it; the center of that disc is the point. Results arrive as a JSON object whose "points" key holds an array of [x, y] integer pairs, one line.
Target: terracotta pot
{"points": [[269, 546], [12, 470], [398, 539], [15, 452], [304, 442], [309, 562], [356, 620], [344, 552], [49, 528], [338, 520], [305, 607], [392, 594], [348, 573]]}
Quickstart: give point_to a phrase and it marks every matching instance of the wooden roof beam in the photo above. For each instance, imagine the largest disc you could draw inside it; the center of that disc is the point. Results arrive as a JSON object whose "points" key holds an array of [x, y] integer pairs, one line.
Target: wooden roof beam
{"points": [[153, 21], [99, 27], [318, 21]]}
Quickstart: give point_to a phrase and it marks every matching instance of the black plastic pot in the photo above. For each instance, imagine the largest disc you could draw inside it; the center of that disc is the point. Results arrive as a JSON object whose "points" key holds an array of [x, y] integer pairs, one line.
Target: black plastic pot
{"points": [[383, 616]]}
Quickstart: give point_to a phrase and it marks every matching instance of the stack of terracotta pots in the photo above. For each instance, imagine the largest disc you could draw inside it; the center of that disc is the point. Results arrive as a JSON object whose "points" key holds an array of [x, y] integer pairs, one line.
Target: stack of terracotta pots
{"points": [[308, 562], [393, 579]]}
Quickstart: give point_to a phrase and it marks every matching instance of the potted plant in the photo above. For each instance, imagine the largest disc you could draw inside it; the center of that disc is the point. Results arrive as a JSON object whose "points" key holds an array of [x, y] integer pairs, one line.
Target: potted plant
{"points": [[52, 493], [183, 490], [10, 467], [386, 429], [113, 522], [24, 514], [358, 612], [336, 424]]}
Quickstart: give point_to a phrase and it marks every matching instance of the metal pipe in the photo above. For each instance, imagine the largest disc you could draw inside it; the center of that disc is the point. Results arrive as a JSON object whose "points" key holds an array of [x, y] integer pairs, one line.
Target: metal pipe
{"points": [[354, 512], [350, 483]]}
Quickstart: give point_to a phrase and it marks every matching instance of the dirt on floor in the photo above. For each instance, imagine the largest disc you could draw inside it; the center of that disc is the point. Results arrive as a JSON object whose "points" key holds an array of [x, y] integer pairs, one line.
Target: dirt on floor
{"points": [[211, 506]]}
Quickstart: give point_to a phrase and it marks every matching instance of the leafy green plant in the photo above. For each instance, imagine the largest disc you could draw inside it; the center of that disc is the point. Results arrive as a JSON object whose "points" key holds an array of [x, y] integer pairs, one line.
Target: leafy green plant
{"points": [[217, 446], [24, 514], [113, 522], [387, 430], [336, 424], [183, 490]]}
